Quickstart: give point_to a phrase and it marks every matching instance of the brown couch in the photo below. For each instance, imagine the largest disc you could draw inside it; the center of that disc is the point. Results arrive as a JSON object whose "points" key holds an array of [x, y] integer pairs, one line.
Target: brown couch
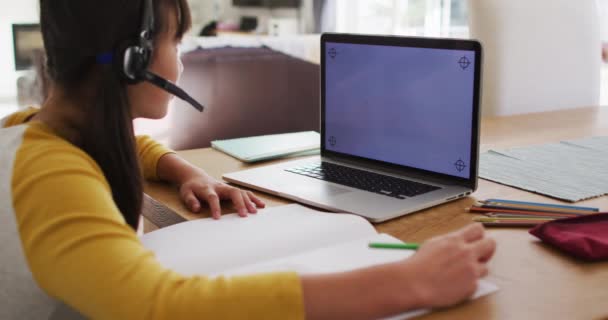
{"points": [[247, 92]]}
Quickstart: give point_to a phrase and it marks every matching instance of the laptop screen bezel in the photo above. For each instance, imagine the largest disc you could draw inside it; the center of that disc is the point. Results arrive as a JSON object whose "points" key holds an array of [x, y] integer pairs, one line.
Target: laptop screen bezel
{"points": [[412, 42]]}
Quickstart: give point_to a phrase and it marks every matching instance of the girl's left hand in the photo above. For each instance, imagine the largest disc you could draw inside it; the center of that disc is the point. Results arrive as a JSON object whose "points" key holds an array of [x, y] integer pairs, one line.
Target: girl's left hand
{"points": [[203, 187]]}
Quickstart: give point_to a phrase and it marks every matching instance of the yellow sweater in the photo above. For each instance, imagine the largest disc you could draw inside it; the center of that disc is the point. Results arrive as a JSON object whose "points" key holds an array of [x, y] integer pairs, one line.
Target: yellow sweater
{"points": [[81, 251]]}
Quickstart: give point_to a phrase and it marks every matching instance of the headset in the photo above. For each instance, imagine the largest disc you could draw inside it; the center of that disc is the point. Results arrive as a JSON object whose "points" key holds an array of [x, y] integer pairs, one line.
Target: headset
{"points": [[133, 59]]}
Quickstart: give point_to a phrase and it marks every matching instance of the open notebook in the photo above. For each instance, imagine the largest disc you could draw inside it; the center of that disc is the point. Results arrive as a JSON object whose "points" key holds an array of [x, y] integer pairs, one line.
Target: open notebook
{"points": [[291, 237]]}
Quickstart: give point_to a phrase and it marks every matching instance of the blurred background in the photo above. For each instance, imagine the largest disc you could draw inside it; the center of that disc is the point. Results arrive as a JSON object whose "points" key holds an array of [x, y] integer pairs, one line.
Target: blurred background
{"points": [[282, 24]]}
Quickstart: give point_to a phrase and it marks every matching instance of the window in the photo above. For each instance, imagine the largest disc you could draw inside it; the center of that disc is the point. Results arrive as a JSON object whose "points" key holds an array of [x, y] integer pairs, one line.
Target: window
{"points": [[438, 18]]}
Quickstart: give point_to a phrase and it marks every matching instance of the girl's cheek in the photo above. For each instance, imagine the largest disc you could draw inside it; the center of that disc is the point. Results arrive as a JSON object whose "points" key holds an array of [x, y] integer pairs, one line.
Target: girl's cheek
{"points": [[180, 66]]}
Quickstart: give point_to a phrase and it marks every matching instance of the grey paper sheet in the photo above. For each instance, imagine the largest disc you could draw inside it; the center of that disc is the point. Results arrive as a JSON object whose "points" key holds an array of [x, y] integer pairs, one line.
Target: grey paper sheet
{"points": [[569, 170]]}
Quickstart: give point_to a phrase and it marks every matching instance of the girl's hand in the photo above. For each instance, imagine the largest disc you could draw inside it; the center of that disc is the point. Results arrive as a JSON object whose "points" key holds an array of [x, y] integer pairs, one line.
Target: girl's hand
{"points": [[448, 267], [203, 187]]}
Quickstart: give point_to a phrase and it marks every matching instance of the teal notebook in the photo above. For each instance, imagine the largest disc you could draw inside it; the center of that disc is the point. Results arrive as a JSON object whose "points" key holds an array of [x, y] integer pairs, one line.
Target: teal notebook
{"points": [[268, 147]]}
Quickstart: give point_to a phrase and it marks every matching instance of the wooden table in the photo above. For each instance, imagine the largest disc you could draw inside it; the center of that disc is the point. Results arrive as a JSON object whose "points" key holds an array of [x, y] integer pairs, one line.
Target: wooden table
{"points": [[536, 282]]}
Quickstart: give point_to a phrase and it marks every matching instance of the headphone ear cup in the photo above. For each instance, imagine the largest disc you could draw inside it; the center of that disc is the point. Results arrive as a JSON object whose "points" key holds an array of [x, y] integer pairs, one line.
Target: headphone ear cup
{"points": [[132, 61], [123, 63]]}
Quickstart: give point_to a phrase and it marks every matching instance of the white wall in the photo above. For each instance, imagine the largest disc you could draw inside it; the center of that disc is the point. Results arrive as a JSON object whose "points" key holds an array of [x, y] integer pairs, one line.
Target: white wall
{"points": [[533, 60], [604, 19], [20, 11]]}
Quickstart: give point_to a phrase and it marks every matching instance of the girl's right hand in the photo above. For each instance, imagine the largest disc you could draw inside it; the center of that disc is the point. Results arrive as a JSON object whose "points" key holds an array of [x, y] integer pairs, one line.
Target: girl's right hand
{"points": [[445, 269]]}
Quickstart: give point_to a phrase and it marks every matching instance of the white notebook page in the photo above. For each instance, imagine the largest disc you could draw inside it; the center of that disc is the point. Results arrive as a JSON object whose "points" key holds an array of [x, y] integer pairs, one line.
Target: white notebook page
{"points": [[286, 238], [344, 257], [210, 246]]}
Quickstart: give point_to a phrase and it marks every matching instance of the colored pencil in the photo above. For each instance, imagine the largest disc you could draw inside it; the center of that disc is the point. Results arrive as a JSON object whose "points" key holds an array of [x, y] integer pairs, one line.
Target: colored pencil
{"points": [[383, 245], [489, 204], [485, 219], [533, 218], [537, 209], [509, 215], [510, 224], [539, 206], [543, 204], [539, 213]]}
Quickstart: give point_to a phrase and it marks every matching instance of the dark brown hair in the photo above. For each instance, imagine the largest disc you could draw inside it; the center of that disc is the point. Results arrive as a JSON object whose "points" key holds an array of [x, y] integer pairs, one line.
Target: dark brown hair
{"points": [[74, 33]]}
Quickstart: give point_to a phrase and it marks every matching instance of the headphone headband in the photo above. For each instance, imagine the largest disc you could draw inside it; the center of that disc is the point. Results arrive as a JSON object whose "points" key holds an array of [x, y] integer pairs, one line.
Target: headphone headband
{"points": [[134, 57], [147, 23], [132, 60]]}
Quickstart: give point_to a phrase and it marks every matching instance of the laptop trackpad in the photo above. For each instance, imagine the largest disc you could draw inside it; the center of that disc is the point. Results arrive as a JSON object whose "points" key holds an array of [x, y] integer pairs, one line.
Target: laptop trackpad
{"points": [[316, 190]]}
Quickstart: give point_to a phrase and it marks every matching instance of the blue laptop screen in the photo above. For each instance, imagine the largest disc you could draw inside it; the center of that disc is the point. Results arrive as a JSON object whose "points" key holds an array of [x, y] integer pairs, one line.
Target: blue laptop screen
{"points": [[401, 105]]}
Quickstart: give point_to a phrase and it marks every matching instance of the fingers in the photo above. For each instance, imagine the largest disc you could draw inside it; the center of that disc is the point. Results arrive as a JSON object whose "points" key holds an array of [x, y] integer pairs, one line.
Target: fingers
{"points": [[191, 201], [484, 249], [214, 203], [248, 203], [472, 232], [475, 236], [244, 201], [258, 202], [213, 200], [236, 196], [482, 270]]}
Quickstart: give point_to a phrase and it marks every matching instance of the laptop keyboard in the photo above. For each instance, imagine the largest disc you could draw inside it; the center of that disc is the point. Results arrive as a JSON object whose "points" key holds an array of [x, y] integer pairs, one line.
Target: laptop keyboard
{"points": [[364, 180]]}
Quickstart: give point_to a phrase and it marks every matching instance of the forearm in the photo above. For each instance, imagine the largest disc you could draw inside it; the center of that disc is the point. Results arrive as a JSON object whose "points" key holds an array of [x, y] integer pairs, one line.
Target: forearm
{"points": [[172, 168], [368, 293]]}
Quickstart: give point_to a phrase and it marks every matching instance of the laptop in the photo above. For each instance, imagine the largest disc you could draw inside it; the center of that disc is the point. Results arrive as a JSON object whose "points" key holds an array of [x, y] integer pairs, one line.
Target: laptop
{"points": [[399, 128]]}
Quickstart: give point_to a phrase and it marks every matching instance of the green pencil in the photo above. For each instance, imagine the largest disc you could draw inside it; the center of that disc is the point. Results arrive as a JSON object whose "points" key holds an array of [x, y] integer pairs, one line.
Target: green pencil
{"points": [[382, 245]]}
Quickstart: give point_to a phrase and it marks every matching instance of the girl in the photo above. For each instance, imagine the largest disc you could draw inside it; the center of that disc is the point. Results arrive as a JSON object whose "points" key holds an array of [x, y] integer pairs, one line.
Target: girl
{"points": [[76, 190]]}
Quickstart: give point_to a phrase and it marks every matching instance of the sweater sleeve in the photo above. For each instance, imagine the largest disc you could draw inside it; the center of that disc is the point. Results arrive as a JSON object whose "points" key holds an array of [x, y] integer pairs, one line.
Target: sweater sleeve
{"points": [[149, 152], [81, 251]]}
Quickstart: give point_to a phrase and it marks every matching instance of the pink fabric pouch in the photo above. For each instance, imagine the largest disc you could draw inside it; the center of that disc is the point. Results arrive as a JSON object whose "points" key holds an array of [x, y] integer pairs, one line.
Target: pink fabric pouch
{"points": [[584, 237]]}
